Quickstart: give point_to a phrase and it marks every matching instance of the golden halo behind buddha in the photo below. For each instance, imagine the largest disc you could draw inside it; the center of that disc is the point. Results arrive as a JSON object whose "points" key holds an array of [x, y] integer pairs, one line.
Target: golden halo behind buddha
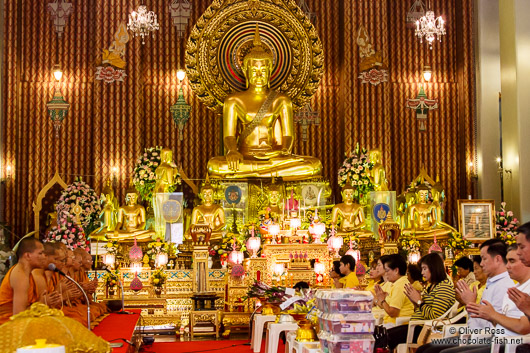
{"points": [[224, 35]]}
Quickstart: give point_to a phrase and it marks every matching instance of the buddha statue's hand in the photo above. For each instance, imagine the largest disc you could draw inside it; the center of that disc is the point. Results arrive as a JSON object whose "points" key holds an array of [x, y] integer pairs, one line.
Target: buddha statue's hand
{"points": [[234, 158]]}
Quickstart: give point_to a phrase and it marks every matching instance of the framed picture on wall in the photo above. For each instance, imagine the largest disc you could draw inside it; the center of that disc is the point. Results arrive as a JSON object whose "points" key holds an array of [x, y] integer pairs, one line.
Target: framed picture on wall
{"points": [[476, 219]]}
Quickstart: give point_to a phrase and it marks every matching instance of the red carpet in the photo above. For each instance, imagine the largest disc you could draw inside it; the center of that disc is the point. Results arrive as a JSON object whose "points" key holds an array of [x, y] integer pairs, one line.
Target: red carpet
{"points": [[205, 346], [116, 326]]}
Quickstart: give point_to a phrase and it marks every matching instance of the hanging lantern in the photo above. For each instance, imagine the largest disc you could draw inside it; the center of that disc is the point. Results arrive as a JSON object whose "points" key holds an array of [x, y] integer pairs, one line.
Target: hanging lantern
{"points": [[136, 284], [109, 260], [180, 14], [335, 244], [414, 257], [279, 269], [161, 259], [355, 253], [181, 112], [135, 253], [235, 257], [238, 270], [318, 230], [253, 245], [136, 267], [57, 110]]}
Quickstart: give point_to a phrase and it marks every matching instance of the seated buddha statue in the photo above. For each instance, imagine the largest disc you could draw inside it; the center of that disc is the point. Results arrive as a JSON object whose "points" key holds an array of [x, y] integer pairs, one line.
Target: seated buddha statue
{"points": [[348, 217], [378, 173], [108, 215], [51, 220], [264, 119], [131, 221], [209, 213], [423, 217]]}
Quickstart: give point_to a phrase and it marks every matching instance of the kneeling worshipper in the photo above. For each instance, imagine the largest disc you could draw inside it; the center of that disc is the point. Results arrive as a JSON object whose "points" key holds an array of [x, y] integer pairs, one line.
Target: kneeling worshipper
{"points": [[437, 297], [18, 289], [395, 303]]}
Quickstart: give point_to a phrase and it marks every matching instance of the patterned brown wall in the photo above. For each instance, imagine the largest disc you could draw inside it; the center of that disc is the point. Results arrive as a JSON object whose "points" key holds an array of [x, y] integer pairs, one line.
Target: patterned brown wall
{"points": [[109, 124]]}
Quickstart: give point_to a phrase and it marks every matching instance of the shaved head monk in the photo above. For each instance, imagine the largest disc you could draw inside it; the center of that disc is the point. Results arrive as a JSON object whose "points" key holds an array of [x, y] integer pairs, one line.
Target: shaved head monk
{"points": [[18, 289]]}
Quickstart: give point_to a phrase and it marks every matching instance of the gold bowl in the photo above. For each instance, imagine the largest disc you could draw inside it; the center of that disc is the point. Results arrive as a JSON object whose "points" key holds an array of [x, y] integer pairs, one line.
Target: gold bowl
{"points": [[305, 332]]}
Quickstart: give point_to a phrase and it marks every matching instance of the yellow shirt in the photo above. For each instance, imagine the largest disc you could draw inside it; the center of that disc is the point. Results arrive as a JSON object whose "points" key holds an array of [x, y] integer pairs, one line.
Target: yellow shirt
{"points": [[480, 290], [349, 281], [386, 286], [397, 299], [417, 286]]}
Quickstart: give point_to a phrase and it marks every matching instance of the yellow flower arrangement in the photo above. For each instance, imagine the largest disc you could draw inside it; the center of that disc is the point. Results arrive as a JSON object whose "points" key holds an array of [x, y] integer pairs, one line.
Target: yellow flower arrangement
{"points": [[158, 278]]}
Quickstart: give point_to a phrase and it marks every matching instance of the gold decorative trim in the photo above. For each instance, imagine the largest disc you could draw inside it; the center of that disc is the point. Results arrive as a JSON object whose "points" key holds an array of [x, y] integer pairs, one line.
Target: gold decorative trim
{"points": [[37, 205]]}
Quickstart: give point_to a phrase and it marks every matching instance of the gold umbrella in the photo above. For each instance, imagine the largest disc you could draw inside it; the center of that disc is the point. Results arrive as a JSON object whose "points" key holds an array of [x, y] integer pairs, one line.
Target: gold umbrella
{"points": [[42, 322]]}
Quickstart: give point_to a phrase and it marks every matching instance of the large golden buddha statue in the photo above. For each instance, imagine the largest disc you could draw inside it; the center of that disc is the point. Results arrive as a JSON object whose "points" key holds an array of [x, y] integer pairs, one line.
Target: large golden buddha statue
{"points": [[131, 221], [108, 215], [423, 217], [258, 128], [348, 217], [209, 213]]}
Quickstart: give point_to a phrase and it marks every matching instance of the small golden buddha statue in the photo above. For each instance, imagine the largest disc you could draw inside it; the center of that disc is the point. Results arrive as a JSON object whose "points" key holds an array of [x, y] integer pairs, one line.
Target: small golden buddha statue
{"points": [[51, 219], [378, 173], [209, 213], [108, 216], [275, 199], [423, 217], [166, 177], [131, 221], [264, 118], [348, 216]]}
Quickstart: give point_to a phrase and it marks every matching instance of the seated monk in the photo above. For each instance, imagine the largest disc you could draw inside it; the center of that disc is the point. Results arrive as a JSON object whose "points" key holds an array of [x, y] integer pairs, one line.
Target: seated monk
{"points": [[264, 119], [42, 276], [73, 307], [90, 286], [131, 221], [18, 290]]}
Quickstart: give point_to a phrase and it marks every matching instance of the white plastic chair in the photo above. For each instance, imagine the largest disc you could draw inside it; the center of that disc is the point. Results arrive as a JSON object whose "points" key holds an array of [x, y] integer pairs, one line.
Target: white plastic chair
{"points": [[510, 348], [404, 347]]}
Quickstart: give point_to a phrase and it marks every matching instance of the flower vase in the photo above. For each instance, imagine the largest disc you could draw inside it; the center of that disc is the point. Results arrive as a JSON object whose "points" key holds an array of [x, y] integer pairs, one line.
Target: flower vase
{"points": [[158, 291], [111, 291]]}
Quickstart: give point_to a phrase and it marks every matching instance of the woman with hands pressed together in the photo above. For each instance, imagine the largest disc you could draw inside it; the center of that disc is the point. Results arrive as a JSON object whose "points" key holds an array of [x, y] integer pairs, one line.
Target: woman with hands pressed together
{"points": [[437, 297]]}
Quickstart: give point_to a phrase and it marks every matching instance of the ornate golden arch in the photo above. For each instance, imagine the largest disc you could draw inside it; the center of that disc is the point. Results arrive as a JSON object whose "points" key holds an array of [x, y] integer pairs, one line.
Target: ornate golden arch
{"points": [[37, 205], [223, 34]]}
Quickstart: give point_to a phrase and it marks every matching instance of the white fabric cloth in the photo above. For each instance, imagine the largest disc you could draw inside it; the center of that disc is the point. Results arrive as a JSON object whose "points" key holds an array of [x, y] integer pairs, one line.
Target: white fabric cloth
{"points": [[496, 289]]}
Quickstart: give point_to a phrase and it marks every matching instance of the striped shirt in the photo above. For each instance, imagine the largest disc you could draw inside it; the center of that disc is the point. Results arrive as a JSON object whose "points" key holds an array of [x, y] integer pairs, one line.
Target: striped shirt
{"points": [[436, 300]]}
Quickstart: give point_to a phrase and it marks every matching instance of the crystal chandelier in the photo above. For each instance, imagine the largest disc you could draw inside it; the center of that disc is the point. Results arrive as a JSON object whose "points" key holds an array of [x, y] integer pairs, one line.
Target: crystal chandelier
{"points": [[142, 22], [430, 27]]}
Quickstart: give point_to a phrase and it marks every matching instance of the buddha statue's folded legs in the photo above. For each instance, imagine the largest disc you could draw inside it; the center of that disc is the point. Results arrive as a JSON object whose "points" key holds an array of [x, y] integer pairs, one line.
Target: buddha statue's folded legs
{"points": [[289, 168]]}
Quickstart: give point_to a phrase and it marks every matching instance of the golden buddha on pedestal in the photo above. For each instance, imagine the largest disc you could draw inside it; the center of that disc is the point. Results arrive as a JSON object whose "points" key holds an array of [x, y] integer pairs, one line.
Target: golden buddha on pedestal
{"points": [[378, 173], [422, 217], [131, 221], [348, 217], [108, 215], [166, 177], [209, 213], [265, 121]]}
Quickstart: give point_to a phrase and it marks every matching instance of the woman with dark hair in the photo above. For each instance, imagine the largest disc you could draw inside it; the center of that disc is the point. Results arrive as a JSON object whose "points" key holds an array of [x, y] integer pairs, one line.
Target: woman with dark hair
{"points": [[335, 275], [437, 297], [415, 277], [347, 268], [464, 269]]}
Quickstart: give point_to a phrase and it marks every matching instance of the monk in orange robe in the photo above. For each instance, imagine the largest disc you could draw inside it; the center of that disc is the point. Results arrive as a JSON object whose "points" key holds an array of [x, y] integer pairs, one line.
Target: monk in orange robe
{"points": [[18, 290], [91, 286], [74, 308], [45, 287]]}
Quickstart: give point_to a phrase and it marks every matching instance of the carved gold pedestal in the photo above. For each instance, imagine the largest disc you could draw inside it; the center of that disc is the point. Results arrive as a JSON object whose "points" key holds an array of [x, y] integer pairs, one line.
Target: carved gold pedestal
{"points": [[204, 316]]}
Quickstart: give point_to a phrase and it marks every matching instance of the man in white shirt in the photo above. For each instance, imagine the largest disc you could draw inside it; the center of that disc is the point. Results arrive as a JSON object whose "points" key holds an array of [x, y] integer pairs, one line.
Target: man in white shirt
{"points": [[522, 300], [510, 321], [493, 254]]}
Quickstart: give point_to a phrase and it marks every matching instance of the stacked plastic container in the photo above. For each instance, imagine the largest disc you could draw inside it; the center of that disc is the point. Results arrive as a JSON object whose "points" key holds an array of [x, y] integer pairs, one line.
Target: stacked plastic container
{"points": [[346, 321]]}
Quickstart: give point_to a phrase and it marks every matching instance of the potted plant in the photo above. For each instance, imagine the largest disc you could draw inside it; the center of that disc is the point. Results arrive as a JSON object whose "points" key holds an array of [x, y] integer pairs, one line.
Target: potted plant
{"points": [[158, 279], [111, 280]]}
